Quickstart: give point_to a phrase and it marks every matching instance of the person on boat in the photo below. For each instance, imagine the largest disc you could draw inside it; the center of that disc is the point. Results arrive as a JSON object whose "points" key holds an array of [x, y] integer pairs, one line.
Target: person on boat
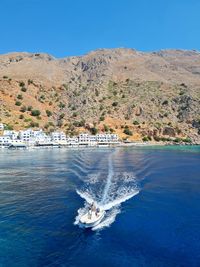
{"points": [[89, 213], [97, 212], [93, 207]]}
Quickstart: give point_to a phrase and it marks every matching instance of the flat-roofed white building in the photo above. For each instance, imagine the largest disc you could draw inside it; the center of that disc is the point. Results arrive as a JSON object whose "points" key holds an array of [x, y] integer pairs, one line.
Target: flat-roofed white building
{"points": [[72, 141], [85, 139], [58, 136], [34, 137], [13, 134], [107, 139]]}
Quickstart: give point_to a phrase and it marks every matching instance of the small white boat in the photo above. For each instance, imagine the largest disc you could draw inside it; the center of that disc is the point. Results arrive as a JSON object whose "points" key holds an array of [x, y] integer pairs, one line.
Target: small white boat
{"points": [[92, 217]]}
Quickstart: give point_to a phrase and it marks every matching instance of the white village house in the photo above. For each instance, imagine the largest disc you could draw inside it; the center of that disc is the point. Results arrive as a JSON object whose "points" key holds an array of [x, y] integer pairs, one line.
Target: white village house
{"points": [[30, 137]]}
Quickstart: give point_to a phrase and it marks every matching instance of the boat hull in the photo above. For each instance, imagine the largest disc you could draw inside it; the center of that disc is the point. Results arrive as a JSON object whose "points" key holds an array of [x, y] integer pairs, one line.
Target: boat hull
{"points": [[87, 223]]}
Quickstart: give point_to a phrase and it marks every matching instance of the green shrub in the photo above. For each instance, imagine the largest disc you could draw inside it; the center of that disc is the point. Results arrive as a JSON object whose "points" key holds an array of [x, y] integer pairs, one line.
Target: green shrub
{"points": [[102, 118], [177, 140], [8, 127], [33, 124], [65, 86], [29, 108], [79, 123], [23, 89], [127, 131], [62, 116], [74, 114], [20, 97], [35, 112], [135, 122], [23, 109], [145, 139], [165, 102], [61, 105], [94, 130], [30, 81], [49, 113], [21, 84], [96, 92], [21, 116], [187, 140], [5, 77], [106, 128], [101, 107], [18, 103], [114, 104], [27, 120]]}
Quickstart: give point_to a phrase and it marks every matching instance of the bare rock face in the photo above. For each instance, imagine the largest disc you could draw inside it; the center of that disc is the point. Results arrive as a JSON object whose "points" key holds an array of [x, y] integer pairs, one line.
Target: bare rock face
{"points": [[169, 131], [153, 94], [138, 111]]}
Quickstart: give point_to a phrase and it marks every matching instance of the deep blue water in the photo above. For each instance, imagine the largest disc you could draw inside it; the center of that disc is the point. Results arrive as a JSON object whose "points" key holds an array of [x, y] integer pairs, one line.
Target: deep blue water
{"points": [[159, 226]]}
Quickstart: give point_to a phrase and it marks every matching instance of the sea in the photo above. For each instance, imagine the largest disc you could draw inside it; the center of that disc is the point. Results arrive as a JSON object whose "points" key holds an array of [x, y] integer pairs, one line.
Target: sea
{"points": [[151, 196]]}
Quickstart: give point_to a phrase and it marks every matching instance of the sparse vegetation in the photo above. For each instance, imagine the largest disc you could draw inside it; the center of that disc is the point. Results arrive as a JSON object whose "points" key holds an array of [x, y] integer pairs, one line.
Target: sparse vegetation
{"points": [[35, 112], [135, 122], [127, 131], [33, 124], [23, 89], [21, 116], [20, 97], [8, 127], [30, 81], [23, 109], [94, 130], [29, 108], [61, 116], [49, 113], [102, 118], [18, 103], [115, 104], [21, 84], [61, 105]]}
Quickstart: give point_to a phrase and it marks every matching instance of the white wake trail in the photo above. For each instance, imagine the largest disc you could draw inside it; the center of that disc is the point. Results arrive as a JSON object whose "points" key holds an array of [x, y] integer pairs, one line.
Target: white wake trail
{"points": [[108, 183], [118, 188]]}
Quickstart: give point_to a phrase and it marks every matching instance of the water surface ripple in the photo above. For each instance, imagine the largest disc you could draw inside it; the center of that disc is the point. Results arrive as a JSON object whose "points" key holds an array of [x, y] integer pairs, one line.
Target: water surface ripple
{"points": [[156, 224]]}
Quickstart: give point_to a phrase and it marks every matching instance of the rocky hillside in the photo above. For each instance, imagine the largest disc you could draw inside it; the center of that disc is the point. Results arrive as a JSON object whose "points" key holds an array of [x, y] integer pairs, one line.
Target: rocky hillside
{"points": [[149, 96]]}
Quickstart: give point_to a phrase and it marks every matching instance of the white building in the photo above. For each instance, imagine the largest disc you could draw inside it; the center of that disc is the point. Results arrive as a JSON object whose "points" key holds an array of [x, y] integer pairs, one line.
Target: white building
{"points": [[30, 137], [1, 127], [5, 141], [107, 139], [58, 137], [72, 141], [12, 134], [33, 137], [85, 139]]}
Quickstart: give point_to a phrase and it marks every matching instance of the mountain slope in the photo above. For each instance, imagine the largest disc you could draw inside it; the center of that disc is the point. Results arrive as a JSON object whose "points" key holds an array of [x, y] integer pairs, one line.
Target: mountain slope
{"points": [[149, 94]]}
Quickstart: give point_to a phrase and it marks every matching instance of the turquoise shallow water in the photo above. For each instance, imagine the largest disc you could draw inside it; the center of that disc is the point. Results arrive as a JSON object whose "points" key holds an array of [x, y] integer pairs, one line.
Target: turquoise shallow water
{"points": [[152, 196]]}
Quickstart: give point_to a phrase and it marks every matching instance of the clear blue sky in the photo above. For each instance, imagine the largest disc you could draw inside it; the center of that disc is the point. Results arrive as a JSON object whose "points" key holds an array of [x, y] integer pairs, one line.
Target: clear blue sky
{"points": [[74, 27]]}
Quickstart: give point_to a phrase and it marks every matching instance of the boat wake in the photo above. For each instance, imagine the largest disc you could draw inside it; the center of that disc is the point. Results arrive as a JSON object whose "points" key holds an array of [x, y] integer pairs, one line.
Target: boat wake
{"points": [[108, 193]]}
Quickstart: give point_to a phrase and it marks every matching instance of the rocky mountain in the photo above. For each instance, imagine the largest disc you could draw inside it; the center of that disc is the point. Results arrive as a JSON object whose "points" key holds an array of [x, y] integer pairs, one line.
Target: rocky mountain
{"points": [[149, 96]]}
